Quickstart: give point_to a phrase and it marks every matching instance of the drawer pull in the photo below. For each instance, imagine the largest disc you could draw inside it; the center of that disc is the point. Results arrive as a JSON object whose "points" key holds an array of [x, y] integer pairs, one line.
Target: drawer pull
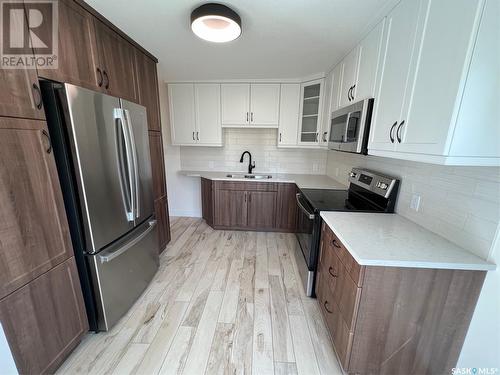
{"points": [[326, 308], [335, 243], [330, 271]]}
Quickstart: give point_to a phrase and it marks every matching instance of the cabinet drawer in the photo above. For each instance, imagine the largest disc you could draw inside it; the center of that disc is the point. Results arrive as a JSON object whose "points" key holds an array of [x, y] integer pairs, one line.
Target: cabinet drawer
{"points": [[343, 289], [342, 337], [248, 186], [331, 241]]}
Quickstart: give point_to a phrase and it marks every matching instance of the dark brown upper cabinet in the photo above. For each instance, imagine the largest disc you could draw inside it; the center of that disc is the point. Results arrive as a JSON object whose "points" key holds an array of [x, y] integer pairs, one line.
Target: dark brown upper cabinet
{"points": [[147, 88], [116, 62], [45, 319], [77, 58], [20, 95], [35, 234]]}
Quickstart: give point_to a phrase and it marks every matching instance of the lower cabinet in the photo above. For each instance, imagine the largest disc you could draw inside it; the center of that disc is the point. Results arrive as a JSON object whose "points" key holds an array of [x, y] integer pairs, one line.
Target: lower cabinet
{"points": [[45, 319], [287, 209], [261, 208], [232, 209], [393, 320], [163, 221], [265, 206]]}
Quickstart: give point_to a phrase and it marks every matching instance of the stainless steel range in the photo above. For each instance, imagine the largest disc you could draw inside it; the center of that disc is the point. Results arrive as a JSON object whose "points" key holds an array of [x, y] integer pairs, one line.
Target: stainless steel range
{"points": [[368, 191]]}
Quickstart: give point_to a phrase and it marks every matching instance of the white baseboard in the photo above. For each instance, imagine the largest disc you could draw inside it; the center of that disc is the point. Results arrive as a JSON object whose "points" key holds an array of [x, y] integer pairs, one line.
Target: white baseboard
{"points": [[184, 213]]}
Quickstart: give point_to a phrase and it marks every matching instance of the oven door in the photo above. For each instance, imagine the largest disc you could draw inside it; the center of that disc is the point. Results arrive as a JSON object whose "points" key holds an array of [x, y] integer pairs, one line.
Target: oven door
{"points": [[306, 253]]}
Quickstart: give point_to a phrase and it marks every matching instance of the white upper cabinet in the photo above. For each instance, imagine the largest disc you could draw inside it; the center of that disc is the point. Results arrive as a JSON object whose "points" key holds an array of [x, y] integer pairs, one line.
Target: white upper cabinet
{"points": [[355, 76], [182, 115], [443, 58], [195, 114], [369, 62], [336, 86], [477, 130], [349, 77], [442, 90], [207, 114], [327, 109], [264, 104], [246, 104], [310, 112], [289, 114], [235, 99], [389, 100]]}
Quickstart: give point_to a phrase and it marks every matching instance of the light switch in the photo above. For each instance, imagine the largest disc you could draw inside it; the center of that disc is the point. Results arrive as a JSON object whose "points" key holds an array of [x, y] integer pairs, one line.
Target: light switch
{"points": [[415, 202]]}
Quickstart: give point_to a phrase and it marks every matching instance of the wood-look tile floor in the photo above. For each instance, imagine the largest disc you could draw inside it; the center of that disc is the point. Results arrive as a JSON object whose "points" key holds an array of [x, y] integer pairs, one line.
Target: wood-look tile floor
{"points": [[223, 302]]}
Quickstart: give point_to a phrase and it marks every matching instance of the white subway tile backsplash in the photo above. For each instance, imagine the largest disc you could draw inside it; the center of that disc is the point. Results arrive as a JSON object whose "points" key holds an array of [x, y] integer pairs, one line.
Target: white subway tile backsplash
{"points": [[461, 204], [262, 144]]}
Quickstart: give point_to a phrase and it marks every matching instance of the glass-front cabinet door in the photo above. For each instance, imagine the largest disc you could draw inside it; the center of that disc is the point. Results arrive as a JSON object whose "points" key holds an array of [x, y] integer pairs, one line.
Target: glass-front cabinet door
{"points": [[310, 112]]}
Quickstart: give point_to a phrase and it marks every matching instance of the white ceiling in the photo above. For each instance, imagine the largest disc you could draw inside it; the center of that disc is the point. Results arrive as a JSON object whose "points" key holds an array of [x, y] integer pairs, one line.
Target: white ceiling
{"points": [[280, 38]]}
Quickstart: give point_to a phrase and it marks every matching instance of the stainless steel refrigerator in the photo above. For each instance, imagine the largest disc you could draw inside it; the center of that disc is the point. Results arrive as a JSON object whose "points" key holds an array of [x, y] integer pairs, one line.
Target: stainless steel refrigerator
{"points": [[101, 148]]}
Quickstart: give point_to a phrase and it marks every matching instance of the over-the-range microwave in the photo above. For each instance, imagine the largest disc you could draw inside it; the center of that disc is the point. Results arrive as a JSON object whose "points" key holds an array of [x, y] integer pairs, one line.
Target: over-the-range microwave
{"points": [[350, 126]]}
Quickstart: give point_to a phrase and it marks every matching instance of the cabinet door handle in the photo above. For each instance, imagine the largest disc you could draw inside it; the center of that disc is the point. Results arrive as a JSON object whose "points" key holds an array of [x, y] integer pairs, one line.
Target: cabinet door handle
{"points": [[249, 197], [100, 80], [330, 271], [251, 116], [398, 136], [197, 136], [326, 307], [245, 196], [335, 244], [49, 147], [324, 136], [247, 116], [106, 85], [37, 96], [194, 139], [352, 92], [390, 132], [349, 93], [280, 137]]}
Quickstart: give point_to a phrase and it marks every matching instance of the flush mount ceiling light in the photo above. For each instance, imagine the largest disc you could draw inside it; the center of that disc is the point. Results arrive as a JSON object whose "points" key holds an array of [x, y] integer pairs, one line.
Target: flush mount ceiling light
{"points": [[216, 23]]}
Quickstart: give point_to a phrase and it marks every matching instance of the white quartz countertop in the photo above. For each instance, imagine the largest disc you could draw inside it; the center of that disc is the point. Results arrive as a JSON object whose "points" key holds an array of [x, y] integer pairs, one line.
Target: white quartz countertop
{"points": [[303, 181], [391, 240]]}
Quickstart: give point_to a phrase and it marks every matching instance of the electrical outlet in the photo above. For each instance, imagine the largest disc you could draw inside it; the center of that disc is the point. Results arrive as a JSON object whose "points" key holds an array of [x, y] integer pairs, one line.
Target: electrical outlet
{"points": [[415, 202]]}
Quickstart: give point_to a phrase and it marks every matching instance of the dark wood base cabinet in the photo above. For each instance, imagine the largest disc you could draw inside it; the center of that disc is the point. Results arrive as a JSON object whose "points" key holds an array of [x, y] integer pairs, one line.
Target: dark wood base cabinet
{"points": [[43, 326], [262, 206], [391, 320]]}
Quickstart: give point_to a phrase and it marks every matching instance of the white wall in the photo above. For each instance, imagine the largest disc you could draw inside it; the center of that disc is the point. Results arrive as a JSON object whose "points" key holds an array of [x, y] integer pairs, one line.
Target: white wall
{"points": [[184, 194], [461, 204], [482, 343]]}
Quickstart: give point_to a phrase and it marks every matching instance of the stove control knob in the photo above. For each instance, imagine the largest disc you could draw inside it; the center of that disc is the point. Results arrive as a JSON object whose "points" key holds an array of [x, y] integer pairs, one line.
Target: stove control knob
{"points": [[382, 185], [352, 174]]}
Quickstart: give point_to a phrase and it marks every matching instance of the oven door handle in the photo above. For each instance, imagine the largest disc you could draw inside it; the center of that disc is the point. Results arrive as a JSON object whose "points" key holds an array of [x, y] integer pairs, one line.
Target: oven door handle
{"points": [[309, 215]]}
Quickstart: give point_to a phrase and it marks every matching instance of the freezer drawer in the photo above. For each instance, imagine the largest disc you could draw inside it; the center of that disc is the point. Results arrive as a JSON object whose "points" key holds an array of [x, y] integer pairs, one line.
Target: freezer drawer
{"points": [[122, 271]]}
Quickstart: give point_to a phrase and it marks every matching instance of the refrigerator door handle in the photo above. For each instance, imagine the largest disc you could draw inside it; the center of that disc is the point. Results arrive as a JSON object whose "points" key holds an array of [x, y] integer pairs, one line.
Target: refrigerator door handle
{"points": [[135, 163], [108, 256], [119, 115]]}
